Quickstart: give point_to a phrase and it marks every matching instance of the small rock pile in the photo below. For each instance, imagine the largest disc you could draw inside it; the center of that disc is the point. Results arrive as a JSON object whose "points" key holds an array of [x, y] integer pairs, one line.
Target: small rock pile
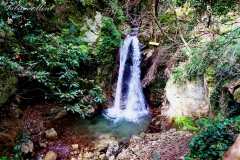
{"points": [[168, 145]]}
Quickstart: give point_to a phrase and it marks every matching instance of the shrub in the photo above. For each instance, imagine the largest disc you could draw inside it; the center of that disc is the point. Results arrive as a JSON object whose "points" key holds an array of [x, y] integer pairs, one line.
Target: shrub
{"points": [[214, 139], [185, 123], [110, 41]]}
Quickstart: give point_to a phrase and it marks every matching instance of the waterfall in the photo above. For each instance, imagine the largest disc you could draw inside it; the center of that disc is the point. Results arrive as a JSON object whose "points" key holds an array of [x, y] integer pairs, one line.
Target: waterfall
{"points": [[129, 103]]}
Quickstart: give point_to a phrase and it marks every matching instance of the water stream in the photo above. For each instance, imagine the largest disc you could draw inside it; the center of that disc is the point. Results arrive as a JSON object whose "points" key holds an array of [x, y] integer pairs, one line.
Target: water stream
{"points": [[129, 115], [130, 103]]}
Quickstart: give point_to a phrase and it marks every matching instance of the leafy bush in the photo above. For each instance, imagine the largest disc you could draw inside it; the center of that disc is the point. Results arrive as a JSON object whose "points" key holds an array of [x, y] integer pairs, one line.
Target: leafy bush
{"points": [[214, 62], [59, 61], [185, 123], [214, 139], [110, 41]]}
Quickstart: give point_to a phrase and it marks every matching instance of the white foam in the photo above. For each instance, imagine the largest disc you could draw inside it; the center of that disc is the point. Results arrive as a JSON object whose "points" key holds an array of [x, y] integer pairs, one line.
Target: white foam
{"points": [[135, 100]]}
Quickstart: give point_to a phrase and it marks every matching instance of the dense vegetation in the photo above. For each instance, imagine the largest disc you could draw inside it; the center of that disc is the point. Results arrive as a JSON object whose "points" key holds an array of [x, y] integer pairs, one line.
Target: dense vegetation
{"points": [[217, 63], [55, 58], [44, 56]]}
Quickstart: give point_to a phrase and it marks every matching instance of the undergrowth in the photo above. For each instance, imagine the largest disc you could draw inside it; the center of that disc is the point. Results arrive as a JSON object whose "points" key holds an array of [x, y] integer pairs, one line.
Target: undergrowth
{"points": [[185, 124], [218, 63], [214, 139]]}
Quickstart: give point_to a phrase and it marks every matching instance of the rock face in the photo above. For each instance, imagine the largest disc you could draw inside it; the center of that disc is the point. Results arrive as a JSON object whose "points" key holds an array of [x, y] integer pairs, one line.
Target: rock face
{"points": [[91, 29], [187, 100]]}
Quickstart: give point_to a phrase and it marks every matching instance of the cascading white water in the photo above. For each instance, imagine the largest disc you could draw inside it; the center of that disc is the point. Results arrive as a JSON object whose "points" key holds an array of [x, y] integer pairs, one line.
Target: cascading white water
{"points": [[132, 98]]}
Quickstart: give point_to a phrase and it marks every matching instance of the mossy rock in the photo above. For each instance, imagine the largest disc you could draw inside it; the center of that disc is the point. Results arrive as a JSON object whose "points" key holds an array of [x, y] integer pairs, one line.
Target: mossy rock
{"points": [[7, 85], [236, 95], [209, 75]]}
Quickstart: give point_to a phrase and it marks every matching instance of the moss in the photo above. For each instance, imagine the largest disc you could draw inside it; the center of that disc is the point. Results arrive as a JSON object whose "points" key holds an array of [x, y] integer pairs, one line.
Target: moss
{"points": [[185, 123], [209, 74], [7, 85], [236, 95]]}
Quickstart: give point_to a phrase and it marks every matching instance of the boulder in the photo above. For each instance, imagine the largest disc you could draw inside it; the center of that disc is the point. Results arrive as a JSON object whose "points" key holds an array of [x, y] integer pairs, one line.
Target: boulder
{"points": [[51, 134], [187, 99], [50, 156]]}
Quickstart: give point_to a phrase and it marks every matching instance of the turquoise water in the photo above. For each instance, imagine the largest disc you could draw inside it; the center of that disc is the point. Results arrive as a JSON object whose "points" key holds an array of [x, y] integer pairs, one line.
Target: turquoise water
{"points": [[121, 130]]}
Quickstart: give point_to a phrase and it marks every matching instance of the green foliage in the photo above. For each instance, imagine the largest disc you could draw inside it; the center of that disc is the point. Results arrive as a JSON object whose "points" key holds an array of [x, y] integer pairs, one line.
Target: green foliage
{"points": [[60, 60], [110, 41], [220, 7], [233, 109], [7, 85], [214, 139], [185, 123], [214, 62], [177, 74], [4, 157], [23, 138], [86, 2], [114, 10], [201, 122]]}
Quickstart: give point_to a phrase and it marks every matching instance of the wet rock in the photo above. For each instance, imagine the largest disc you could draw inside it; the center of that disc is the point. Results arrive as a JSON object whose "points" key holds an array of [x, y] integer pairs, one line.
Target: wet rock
{"points": [[51, 156], [51, 134], [27, 147]]}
